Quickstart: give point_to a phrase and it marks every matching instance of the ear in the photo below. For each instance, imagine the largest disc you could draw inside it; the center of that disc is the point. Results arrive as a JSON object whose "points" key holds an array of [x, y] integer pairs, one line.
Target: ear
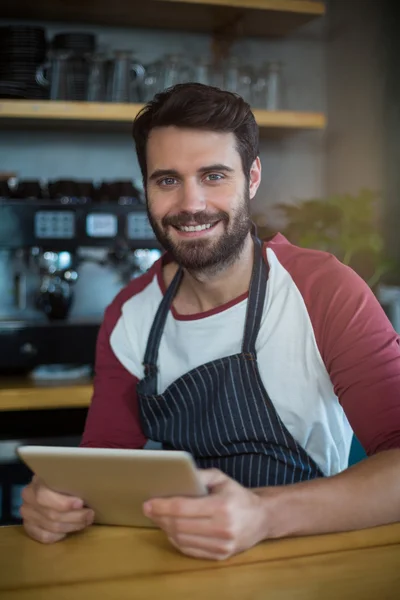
{"points": [[255, 177]]}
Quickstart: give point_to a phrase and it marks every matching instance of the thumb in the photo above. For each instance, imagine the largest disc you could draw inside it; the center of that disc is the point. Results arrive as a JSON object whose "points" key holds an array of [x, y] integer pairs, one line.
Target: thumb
{"points": [[212, 478]]}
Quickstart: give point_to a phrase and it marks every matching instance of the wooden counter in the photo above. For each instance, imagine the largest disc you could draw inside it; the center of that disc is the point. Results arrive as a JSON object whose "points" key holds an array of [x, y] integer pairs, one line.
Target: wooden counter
{"points": [[129, 563], [25, 394]]}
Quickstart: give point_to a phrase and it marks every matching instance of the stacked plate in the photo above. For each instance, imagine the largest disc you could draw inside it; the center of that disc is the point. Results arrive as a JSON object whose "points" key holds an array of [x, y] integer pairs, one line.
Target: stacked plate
{"points": [[22, 50]]}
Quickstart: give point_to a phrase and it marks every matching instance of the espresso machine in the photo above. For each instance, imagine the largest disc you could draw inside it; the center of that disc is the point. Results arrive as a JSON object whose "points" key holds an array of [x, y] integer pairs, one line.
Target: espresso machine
{"points": [[66, 249]]}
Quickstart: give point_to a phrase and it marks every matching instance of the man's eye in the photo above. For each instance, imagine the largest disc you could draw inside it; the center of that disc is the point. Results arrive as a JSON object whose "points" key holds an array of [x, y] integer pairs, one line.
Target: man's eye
{"points": [[167, 181], [214, 176]]}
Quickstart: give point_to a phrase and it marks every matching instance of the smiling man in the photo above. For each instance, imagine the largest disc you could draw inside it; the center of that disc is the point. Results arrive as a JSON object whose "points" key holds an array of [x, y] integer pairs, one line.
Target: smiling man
{"points": [[260, 359]]}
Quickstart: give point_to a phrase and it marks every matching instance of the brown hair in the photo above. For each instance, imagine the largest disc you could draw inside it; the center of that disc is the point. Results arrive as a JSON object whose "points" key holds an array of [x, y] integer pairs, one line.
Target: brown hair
{"points": [[198, 106]]}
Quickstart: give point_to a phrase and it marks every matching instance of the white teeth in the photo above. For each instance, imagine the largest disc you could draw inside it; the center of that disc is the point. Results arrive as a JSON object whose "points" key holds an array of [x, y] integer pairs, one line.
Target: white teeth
{"points": [[195, 227]]}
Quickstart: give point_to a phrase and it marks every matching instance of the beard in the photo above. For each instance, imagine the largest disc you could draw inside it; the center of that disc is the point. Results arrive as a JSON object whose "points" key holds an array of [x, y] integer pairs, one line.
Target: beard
{"points": [[201, 255]]}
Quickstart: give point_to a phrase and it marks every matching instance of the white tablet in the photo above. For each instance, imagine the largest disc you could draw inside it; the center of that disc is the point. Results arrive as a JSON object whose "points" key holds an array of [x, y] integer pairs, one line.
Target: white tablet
{"points": [[115, 483]]}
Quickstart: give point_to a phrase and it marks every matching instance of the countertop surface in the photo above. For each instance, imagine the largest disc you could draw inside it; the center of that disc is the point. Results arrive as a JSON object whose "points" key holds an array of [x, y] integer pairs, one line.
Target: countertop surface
{"points": [[24, 393], [114, 562]]}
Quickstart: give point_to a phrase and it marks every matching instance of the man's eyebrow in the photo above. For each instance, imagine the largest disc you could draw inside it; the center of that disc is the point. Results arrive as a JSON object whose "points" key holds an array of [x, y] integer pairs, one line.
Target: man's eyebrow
{"points": [[163, 173], [216, 167], [173, 173]]}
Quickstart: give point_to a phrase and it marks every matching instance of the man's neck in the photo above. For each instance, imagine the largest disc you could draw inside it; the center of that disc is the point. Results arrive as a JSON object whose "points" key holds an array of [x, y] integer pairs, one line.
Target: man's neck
{"points": [[201, 292]]}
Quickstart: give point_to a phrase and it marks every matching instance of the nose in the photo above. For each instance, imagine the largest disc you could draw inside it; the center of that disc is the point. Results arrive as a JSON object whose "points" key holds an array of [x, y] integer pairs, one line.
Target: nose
{"points": [[192, 197]]}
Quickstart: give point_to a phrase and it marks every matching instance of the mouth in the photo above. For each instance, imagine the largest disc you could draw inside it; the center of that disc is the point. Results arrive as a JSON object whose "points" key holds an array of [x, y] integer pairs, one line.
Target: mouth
{"points": [[195, 230]]}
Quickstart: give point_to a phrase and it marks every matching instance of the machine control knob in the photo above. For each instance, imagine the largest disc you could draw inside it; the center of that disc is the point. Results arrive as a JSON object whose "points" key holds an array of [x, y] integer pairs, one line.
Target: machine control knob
{"points": [[28, 349]]}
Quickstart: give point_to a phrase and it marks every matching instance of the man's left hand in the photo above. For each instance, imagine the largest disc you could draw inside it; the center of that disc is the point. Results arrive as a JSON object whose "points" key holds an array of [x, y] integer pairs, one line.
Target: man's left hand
{"points": [[227, 521]]}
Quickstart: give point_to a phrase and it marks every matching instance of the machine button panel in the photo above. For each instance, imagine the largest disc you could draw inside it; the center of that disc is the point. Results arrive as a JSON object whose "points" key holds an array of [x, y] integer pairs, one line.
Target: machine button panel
{"points": [[101, 225], [138, 227], [53, 224]]}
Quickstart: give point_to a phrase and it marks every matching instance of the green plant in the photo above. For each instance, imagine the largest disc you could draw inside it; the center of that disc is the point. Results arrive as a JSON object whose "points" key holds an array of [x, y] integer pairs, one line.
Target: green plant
{"points": [[346, 225]]}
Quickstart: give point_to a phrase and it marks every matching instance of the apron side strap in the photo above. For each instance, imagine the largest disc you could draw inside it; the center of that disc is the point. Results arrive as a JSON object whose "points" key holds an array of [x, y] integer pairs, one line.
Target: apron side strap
{"points": [[150, 369], [255, 302], [157, 327]]}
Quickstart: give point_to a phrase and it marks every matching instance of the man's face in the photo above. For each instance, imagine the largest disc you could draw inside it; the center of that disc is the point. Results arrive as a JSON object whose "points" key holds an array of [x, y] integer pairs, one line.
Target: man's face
{"points": [[197, 195]]}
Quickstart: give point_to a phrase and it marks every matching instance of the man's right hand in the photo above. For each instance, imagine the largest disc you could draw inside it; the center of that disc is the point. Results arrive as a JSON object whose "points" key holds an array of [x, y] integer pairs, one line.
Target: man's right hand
{"points": [[49, 516]]}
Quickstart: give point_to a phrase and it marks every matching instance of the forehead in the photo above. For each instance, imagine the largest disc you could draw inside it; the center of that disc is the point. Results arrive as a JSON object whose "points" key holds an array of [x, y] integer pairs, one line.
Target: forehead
{"points": [[189, 149]]}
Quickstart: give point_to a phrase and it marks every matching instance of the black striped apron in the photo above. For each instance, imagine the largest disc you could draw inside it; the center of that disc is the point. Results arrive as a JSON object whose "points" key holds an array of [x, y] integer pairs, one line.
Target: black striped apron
{"points": [[220, 412]]}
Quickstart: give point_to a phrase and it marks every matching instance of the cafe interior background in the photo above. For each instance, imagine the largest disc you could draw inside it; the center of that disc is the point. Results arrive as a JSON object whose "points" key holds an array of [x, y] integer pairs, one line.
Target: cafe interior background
{"points": [[323, 79]]}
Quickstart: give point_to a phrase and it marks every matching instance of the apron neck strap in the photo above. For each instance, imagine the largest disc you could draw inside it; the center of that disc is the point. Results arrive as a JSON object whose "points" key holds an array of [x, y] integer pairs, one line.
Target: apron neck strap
{"points": [[153, 343], [255, 302]]}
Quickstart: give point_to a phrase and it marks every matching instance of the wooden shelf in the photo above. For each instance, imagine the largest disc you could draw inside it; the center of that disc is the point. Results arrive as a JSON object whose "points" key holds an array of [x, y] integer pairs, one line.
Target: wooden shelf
{"points": [[26, 394], [46, 110], [289, 120], [14, 113], [246, 17]]}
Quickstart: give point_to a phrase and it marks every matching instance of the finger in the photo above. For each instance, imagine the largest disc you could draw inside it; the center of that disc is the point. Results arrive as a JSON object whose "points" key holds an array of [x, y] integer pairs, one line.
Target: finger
{"points": [[73, 516], [41, 535], [53, 527], [198, 552], [204, 527], [208, 544], [212, 477], [51, 499], [39, 494], [174, 527], [85, 516], [180, 507], [33, 517]]}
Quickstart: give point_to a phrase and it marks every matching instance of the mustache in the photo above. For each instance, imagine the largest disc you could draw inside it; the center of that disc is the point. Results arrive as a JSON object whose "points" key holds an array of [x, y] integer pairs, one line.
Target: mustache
{"points": [[185, 218]]}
